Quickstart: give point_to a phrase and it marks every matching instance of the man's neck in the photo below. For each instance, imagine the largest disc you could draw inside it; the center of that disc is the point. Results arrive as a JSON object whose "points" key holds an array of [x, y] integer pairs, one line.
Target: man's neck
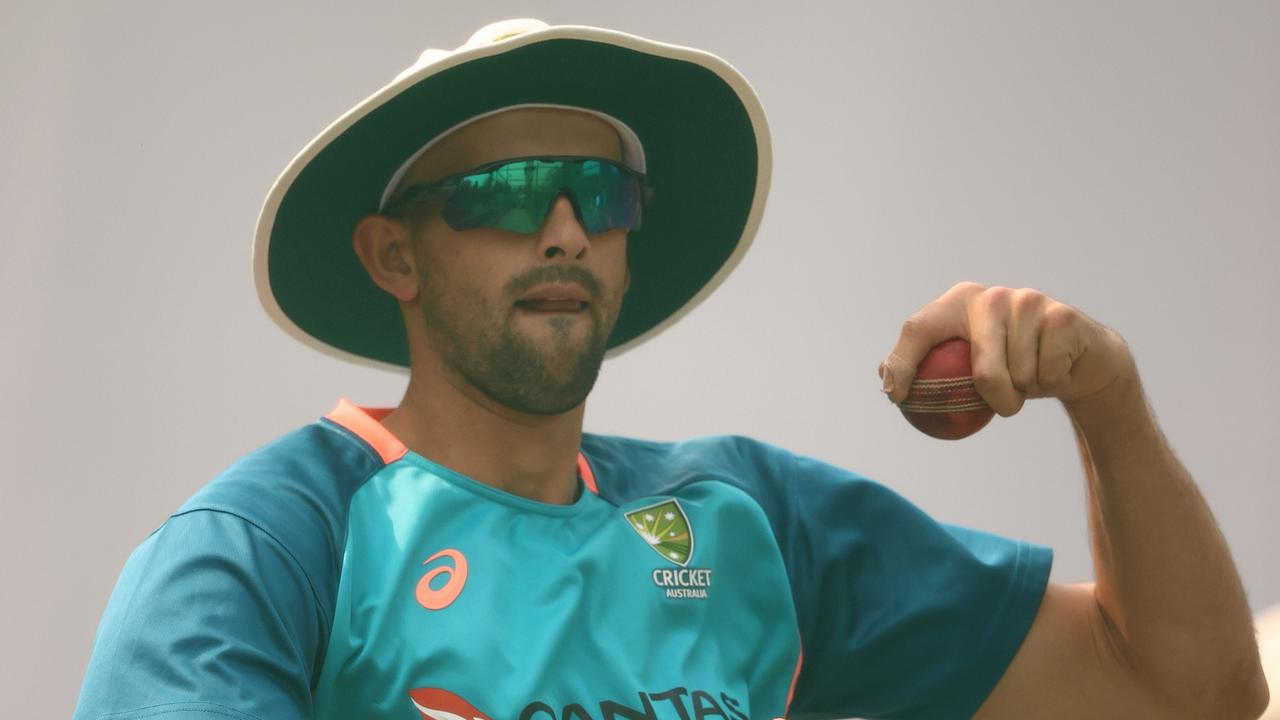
{"points": [[533, 456]]}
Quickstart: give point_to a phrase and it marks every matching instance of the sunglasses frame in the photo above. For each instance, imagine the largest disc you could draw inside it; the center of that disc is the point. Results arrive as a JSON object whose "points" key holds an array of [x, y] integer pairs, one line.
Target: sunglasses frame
{"points": [[422, 192]]}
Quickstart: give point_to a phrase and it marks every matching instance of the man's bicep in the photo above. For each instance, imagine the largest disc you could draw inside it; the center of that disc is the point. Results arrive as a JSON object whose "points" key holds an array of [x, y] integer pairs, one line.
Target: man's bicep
{"points": [[1069, 666], [209, 612]]}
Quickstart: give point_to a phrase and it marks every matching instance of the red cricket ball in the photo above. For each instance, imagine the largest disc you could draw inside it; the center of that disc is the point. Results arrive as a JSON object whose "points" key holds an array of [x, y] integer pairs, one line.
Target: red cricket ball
{"points": [[942, 401]]}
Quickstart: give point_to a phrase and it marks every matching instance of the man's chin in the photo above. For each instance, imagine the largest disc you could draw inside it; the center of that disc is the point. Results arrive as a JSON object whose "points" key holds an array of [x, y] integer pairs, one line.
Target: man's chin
{"points": [[561, 346], [552, 397], [545, 368]]}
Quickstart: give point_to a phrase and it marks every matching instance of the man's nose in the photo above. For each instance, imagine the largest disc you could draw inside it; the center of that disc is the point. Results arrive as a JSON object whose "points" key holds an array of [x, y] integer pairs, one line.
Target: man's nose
{"points": [[561, 235]]}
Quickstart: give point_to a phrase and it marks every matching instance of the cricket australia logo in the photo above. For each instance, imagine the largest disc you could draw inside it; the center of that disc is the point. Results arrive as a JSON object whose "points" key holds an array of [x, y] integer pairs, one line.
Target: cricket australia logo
{"points": [[666, 529]]}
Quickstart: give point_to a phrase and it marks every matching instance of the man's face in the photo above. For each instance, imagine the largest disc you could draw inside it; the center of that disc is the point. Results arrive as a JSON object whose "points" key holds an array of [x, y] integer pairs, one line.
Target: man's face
{"points": [[524, 319]]}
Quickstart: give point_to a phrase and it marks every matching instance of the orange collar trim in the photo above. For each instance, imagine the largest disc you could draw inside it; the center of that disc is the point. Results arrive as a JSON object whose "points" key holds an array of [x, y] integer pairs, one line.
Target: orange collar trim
{"points": [[366, 424], [584, 472]]}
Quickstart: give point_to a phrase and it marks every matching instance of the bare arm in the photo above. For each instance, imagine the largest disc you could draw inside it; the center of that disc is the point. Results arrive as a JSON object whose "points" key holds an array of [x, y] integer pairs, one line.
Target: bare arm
{"points": [[1166, 630], [1165, 577]]}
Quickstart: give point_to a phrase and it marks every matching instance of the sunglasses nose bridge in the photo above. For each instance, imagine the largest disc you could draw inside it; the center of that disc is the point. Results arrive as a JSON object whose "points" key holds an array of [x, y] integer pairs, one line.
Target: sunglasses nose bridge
{"points": [[562, 230], [568, 194]]}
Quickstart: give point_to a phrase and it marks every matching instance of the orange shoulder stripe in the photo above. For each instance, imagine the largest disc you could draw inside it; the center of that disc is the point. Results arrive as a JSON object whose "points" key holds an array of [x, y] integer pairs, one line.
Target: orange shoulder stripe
{"points": [[794, 679]]}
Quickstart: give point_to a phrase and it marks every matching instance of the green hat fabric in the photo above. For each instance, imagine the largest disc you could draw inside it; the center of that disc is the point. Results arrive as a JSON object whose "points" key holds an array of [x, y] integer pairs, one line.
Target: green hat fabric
{"points": [[705, 145]]}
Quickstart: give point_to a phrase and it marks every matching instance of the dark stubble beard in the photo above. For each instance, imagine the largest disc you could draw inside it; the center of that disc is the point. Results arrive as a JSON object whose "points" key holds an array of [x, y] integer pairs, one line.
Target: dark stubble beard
{"points": [[480, 342]]}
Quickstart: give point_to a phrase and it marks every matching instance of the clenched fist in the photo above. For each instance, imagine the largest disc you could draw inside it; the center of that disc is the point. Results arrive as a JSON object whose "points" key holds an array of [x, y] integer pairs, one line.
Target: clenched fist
{"points": [[1025, 345]]}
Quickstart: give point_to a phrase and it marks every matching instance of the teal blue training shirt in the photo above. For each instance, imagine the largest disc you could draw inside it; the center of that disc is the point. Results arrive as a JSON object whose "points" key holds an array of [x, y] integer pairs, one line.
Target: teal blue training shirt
{"points": [[336, 574]]}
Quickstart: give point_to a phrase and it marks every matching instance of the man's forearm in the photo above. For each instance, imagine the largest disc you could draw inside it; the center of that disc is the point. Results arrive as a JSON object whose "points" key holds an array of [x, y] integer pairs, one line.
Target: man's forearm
{"points": [[1165, 577]]}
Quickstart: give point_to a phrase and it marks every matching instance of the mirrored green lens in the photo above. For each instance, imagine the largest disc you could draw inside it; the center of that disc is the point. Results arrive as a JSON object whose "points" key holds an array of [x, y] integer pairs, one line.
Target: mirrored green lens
{"points": [[517, 195]]}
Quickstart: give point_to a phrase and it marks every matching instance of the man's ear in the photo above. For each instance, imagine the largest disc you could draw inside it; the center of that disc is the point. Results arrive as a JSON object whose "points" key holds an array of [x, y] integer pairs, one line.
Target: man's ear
{"points": [[384, 246]]}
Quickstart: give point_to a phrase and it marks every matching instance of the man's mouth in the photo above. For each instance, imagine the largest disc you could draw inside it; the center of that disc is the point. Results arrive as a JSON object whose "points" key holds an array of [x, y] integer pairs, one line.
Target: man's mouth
{"points": [[554, 298], [551, 306]]}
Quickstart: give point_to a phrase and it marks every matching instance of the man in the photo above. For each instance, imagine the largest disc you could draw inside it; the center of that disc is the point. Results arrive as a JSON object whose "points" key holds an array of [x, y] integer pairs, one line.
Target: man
{"points": [[500, 218]]}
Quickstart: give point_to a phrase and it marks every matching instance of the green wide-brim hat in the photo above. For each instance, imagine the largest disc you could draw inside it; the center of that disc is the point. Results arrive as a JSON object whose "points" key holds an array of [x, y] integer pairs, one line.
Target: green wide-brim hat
{"points": [[704, 147]]}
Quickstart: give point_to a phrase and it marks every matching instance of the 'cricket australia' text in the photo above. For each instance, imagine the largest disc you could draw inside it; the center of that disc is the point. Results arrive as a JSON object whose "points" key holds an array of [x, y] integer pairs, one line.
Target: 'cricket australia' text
{"points": [[684, 583]]}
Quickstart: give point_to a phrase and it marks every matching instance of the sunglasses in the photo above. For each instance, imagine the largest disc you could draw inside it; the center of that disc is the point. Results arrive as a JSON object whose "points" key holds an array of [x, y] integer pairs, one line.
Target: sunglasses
{"points": [[516, 194]]}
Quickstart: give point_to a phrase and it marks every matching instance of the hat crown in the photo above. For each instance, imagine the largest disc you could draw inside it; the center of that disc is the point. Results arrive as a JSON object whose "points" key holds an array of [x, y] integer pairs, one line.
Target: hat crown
{"points": [[503, 30], [490, 34]]}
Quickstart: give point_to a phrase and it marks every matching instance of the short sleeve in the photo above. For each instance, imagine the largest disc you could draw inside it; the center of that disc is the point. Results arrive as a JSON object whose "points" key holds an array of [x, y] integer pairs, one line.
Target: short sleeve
{"points": [[900, 616], [211, 618]]}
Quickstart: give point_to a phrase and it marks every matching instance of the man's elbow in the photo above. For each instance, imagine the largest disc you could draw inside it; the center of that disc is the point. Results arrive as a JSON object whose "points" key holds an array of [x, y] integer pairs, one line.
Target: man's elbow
{"points": [[1239, 693], [1259, 696], [1245, 698]]}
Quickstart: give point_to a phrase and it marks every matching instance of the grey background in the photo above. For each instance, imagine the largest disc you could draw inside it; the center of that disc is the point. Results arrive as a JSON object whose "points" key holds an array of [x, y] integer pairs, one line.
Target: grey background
{"points": [[1122, 157]]}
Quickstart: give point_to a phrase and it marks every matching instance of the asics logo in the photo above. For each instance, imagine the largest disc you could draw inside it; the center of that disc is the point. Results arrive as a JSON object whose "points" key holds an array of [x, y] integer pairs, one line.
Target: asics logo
{"points": [[438, 598]]}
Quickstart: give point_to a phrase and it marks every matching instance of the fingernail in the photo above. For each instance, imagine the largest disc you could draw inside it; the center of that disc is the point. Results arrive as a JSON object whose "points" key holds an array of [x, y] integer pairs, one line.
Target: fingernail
{"points": [[886, 376]]}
